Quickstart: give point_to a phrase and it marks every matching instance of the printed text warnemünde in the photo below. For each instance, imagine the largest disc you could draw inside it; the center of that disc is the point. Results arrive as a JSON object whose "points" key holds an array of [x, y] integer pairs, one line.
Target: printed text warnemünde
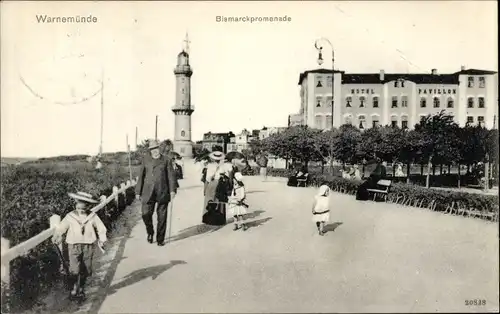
{"points": [[66, 19]]}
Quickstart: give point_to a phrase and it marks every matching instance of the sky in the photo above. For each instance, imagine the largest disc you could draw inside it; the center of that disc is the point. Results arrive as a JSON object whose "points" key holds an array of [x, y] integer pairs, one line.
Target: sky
{"points": [[245, 74]]}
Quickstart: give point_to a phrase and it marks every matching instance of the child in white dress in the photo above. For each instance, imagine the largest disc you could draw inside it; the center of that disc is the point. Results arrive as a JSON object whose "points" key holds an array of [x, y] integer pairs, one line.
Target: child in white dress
{"points": [[237, 206], [321, 208]]}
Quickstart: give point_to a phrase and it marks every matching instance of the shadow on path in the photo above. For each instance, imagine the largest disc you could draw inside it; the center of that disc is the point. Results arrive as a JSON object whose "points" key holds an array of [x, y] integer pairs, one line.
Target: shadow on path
{"points": [[259, 191], [256, 223], [141, 274], [332, 227], [194, 231]]}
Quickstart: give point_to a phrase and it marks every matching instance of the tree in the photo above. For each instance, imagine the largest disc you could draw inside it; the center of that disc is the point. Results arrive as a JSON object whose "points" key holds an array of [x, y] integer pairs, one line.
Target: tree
{"points": [[298, 143], [435, 134], [325, 145], [345, 146]]}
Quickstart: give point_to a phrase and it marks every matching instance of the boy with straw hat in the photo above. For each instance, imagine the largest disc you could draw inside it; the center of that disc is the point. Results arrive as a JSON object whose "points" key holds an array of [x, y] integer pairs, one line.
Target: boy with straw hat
{"points": [[81, 235]]}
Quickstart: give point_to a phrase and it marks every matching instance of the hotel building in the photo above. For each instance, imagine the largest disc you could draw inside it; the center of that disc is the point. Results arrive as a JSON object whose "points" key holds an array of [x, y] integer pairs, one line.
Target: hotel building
{"points": [[366, 100]]}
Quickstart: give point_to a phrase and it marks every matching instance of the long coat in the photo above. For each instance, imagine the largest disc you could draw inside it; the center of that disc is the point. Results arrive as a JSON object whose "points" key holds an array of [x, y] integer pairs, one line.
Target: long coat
{"points": [[157, 180]]}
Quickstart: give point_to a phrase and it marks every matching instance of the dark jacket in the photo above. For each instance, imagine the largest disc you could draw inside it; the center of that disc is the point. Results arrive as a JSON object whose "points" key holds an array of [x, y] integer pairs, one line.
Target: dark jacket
{"points": [[157, 179]]}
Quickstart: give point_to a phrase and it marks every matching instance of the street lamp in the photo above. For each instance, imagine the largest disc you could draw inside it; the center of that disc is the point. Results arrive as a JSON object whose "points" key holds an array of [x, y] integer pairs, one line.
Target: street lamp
{"points": [[319, 47]]}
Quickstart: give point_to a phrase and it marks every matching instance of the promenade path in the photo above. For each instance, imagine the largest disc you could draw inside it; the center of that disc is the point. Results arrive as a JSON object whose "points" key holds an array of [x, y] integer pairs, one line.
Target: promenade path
{"points": [[376, 257]]}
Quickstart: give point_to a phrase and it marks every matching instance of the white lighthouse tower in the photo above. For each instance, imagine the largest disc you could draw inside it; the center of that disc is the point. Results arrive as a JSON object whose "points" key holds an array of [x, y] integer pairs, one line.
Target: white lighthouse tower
{"points": [[182, 108]]}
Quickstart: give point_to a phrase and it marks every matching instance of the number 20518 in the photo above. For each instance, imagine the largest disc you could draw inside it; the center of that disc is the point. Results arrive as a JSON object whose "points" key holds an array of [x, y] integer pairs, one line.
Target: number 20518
{"points": [[475, 302]]}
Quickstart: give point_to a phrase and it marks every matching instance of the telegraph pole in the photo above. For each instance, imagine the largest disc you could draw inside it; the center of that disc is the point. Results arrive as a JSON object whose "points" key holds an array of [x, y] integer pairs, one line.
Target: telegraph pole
{"points": [[102, 110], [156, 128], [136, 136]]}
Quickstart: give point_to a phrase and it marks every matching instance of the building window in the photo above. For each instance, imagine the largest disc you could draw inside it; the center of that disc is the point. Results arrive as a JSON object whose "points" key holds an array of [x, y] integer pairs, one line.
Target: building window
{"points": [[375, 102], [318, 122], [482, 82], [470, 81], [328, 122], [423, 102], [402, 83], [450, 103], [348, 120], [362, 122], [182, 150], [396, 83], [182, 102], [470, 102], [404, 101], [480, 120], [422, 118], [329, 101], [348, 101], [329, 81], [481, 102], [182, 90], [394, 101], [318, 101], [394, 121], [319, 82], [404, 122], [183, 133], [375, 122], [362, 102], [470, 119], [436, 102]]}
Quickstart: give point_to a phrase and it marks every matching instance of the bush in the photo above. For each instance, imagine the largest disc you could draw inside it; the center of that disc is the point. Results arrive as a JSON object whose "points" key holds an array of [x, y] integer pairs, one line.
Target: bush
{"points": [[30, 194], [407, 194]]}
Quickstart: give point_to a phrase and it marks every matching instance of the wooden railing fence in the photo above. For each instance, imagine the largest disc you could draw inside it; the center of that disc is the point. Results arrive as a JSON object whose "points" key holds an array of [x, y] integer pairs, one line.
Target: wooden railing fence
{"points": [[10, 253]]}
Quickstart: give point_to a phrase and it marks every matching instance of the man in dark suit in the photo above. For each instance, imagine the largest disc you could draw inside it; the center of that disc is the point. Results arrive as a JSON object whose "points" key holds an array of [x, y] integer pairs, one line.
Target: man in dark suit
{"points": [[157, 184]]}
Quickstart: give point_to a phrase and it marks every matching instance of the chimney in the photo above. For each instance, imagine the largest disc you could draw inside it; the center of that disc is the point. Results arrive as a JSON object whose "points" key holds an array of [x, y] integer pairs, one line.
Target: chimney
{"points": [[434, 71], [462, 68], [382, 75]]}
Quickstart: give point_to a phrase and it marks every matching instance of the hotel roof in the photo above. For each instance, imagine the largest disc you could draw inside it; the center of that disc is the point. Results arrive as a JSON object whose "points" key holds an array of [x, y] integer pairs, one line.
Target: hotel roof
{"points": [[374, 78]]}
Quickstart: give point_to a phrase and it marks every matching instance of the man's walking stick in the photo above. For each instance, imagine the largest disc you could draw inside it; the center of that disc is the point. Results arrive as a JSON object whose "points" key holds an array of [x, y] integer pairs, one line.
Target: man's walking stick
{"points": [[169, 219]]}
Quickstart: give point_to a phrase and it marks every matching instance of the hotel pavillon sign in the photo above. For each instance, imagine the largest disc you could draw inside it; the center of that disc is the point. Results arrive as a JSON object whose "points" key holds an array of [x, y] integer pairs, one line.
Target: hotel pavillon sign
{"points": [[437, 91]]}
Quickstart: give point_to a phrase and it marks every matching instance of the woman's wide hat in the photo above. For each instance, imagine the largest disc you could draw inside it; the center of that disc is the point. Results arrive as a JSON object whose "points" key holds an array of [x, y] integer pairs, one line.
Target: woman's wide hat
{"points": [[153, 144], [83, 197], [217, 155]]}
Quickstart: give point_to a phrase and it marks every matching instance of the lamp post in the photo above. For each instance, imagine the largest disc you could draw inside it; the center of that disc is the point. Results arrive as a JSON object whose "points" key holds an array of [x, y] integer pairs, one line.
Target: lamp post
{"points": [[318, 45]]}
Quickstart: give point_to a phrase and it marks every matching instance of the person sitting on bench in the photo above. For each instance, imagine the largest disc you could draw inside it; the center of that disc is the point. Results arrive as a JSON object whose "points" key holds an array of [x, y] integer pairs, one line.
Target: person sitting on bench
{"points": [[300, 174], [377, 174]]}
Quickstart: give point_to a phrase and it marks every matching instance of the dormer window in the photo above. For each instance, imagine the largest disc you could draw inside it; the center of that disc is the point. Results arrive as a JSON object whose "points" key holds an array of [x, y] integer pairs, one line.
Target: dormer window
{"points": [[362, 102], [348, 101], [396, 83]]}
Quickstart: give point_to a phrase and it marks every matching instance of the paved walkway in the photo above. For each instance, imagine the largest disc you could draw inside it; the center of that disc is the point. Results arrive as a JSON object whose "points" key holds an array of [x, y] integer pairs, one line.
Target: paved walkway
{"points": [[376, 257]]}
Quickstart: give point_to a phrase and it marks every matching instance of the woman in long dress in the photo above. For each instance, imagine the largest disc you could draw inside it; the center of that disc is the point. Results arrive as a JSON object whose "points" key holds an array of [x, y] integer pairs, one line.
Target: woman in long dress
{"points": [[218, 177]]}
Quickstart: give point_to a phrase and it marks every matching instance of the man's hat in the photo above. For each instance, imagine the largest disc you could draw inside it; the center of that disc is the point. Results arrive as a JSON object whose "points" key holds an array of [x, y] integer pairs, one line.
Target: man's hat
{"points": [[217, 155], [153, 144], [84, 197]]}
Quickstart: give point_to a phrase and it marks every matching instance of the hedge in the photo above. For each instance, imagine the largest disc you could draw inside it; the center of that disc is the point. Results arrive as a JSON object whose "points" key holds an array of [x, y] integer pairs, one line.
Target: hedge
{"points": [[30, 194], [479, 205]]}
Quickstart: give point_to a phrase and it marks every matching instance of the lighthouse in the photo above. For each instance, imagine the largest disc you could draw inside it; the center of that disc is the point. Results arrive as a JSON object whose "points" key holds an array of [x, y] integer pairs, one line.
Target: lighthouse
{"points": [[183, 108]]}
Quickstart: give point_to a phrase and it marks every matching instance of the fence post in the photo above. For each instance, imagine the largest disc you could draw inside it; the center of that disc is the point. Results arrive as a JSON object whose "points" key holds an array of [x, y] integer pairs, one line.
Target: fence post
{"points": [[115, 193], [122, 186], [54, 221], [6, 276]]}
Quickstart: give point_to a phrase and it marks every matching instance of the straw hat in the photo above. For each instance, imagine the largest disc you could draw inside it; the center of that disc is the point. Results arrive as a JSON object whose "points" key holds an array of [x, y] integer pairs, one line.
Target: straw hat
{"points": [[217, 156], [82, 196], [153, 144]]}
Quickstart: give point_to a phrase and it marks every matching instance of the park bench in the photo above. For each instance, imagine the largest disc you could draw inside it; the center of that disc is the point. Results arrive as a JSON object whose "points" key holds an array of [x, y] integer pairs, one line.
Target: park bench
{"points": [[383, 189], [303, 181]]}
